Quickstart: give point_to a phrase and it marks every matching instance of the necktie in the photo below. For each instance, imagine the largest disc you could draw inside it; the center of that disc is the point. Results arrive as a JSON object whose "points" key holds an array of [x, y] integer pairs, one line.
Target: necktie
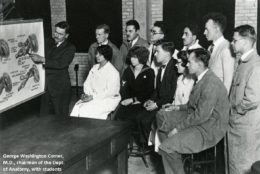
{"points": [[211, 48], [152, 55], [129, 44], [159, 77]]}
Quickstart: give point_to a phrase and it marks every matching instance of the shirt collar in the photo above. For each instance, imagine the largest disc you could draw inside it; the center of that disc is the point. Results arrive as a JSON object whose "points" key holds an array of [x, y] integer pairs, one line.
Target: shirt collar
{"points": [[103, 43], [59, 43], [134, 41], [243, 57], [218, 42], [201, 75], [194, 46]]}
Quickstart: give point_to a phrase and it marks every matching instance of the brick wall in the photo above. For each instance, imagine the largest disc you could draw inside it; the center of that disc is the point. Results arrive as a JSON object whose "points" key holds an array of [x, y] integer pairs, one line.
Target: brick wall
{"points": [[156, 10], [58, 11], [127, 13], [246, 12], [82, 60]]}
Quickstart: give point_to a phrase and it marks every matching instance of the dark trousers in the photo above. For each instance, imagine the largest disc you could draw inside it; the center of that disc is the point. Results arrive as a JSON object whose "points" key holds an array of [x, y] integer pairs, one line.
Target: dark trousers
{"points": [[139, 117], [57, 103]]}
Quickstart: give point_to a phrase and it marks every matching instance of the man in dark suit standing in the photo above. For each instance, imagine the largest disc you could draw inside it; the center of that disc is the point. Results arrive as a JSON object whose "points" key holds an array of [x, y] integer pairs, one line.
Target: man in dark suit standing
{"points": [[59, 53], [166, 82]]}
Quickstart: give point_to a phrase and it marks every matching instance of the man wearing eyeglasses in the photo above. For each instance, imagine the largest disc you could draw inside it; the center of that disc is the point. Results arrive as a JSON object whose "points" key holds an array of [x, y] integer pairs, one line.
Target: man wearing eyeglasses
{"points": [[158, 32], [102, 34], [59, 53], [221, 61], [133, 39], [244, 120]]}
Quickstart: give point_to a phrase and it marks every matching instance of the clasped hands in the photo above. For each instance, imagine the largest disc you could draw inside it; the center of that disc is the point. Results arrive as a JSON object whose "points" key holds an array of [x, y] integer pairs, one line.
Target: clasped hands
{"points": [[150, 105], [127, 101], [85, 98]]}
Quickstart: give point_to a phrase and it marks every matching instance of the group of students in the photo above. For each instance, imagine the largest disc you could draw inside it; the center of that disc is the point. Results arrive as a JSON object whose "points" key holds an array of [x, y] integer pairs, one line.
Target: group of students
{"points": [[191, 98]]}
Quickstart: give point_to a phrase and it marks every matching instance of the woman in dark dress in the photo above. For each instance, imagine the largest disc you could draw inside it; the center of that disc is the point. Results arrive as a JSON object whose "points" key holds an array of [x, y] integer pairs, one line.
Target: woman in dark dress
{"points": [[137, 85]]}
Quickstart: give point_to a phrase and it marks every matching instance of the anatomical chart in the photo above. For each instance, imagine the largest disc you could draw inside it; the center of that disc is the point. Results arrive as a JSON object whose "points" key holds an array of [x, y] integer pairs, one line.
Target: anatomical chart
{"points": [[20, 78]]}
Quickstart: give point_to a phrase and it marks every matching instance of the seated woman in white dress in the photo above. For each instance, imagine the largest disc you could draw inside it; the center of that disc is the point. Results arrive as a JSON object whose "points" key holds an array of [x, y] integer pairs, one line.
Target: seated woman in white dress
{"points": [[101, 88], [185, 83]]}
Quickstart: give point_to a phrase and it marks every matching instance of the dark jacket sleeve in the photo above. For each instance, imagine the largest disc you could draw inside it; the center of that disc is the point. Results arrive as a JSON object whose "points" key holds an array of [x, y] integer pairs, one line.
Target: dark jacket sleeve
{"points": [[168, 86], [62, 57]]}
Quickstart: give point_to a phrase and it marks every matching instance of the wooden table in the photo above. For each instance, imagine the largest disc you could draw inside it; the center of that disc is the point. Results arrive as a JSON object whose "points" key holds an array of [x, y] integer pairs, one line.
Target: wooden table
{"points": [[75, 146]]}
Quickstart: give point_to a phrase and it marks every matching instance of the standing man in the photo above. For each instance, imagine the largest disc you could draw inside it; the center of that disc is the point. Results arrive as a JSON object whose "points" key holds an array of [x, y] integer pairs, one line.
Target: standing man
{"points": [[221, 62], [244, 131], [158, 32], [102, 34], [198, 125], [59, 53], [133, 39], [190, 37]]}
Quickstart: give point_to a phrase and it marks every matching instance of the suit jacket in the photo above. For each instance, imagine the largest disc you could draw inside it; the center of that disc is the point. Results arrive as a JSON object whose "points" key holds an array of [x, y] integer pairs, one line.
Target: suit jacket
{"points": [[125, 48], [244, 116], [205, 121], [164, 93], [117, 59], [57, 62], [222, 63]]}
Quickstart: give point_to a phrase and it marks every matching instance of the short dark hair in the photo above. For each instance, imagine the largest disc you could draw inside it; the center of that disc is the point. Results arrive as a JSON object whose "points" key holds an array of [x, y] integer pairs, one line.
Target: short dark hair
{"points": [[202, 55], [134, 23], [63, 25], [194, 28], [218, 19], [183, 56], [166, 46], [106, 51], [140, 52], [105, 27], [246, 31], [161, 25]]}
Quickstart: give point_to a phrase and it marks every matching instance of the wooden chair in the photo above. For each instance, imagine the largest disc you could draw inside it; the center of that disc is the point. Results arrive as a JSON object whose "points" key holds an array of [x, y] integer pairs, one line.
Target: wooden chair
{"points": [[137, 150]]}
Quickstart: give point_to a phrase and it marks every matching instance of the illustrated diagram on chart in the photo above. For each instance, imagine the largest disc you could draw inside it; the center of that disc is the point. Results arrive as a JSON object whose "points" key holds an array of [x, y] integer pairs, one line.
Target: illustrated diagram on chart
{"points": [[5, 83], [32, 73], [20, 78], [4, 49], [27, 47]]}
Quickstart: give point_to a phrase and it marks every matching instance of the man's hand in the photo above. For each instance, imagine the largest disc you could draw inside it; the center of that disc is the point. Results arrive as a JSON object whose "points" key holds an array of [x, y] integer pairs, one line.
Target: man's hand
{"points": [[86, 98], [172, 108], [166, 105], [127, 102], [150, 105], [172, 132], [37, 58]]}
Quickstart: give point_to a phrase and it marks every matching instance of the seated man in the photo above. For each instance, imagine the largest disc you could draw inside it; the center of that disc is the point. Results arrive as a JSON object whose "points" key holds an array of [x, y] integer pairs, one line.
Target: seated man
{"points": [[200, 124], [166, 82]]}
